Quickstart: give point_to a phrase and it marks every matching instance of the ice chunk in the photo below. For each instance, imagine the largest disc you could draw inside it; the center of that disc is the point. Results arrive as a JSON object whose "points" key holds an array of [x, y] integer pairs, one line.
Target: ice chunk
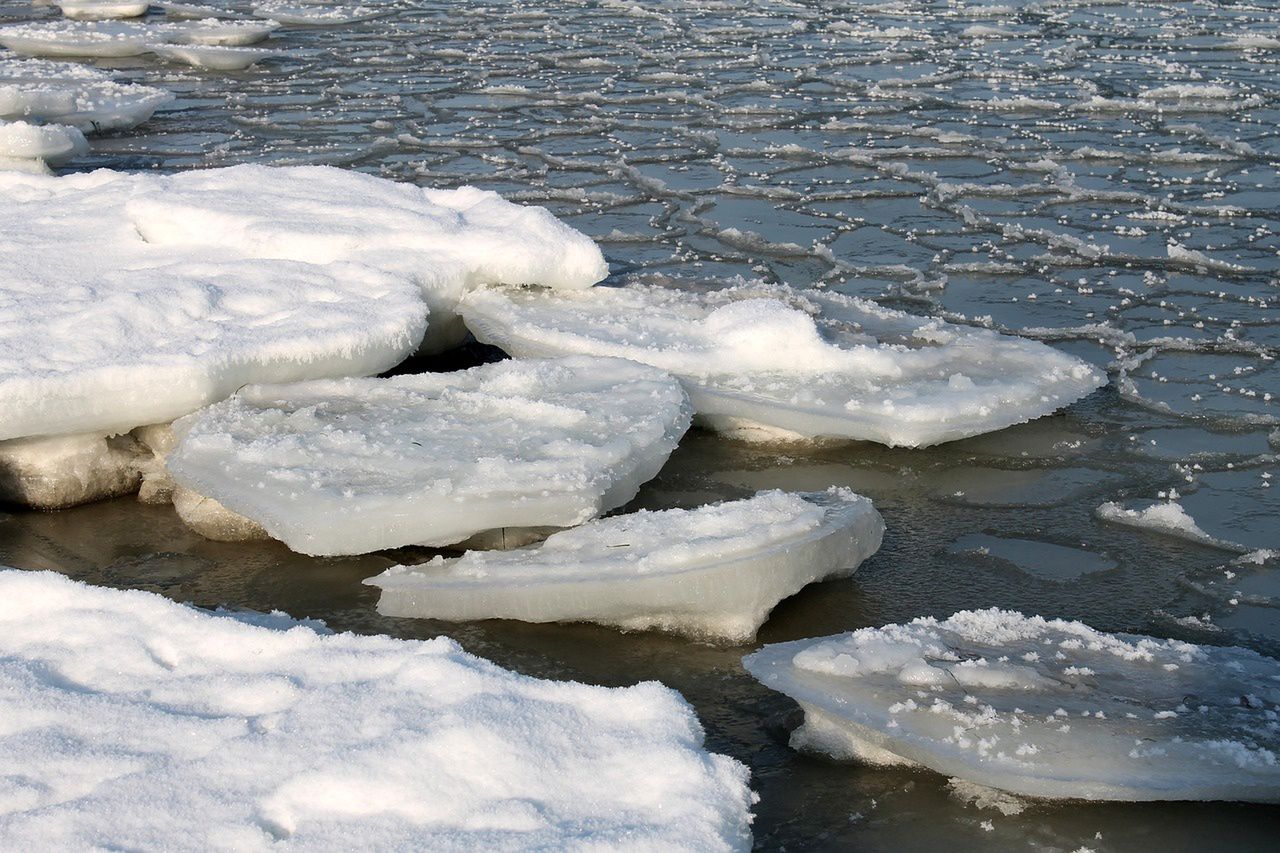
{"points": [[132, 722], [1168, 518], [358, 465], [66, 93], [52, 143], [1044, 708], [809, 363], [102, 10], [712, 572], [216, 57], [313, 14], [51, 473], [135, 299], [124, 38]]}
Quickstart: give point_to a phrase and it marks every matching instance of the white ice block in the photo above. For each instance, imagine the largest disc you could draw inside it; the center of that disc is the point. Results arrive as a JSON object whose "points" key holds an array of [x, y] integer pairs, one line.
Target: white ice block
{"points": [[214, 57], [762, 359], [357, 465], [134, 723], [1044, 708], [714, 572], [66, 93], [52, 143], [102, 10]]}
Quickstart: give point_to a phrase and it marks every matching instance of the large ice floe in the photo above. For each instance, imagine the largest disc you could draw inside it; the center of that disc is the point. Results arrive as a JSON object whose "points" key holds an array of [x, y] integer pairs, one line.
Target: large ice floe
{"points": [[65, 93], [132, 722], [133, 299], [1044, 708], [357, 465], [760, 360], [714, 572], [107, 39]]}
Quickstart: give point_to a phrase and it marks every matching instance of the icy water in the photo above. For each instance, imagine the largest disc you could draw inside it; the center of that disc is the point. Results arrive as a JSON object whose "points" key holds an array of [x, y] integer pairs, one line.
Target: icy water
{"points": [[1099, 176]]}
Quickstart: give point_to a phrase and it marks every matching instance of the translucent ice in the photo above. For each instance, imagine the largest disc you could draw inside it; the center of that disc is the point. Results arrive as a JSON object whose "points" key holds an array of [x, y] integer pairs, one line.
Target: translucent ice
{"points": [[714, 572], [132, 722], [810, 363], [70, 94], [1045, 708], [358, 465]]}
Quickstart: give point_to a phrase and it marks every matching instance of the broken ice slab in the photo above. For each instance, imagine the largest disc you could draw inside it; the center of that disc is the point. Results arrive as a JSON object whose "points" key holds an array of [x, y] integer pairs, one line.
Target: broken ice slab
{"points": [[44, 143], [122, 705], [1039, 707], [765, 361], [714, 572], [357, 465], [48, 92], [102, 10], [213, 57], [103, 39]]}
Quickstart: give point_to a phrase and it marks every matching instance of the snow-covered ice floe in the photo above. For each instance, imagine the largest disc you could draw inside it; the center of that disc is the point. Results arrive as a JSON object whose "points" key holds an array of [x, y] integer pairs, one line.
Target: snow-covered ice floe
{"points": [[762, 360], [313, 13], [216, 57], [126, 38], [50, 143], [714, 572], [357, 465], [132, 722], [133, 299], [102, 10], [66, 93], [1044, 708]]}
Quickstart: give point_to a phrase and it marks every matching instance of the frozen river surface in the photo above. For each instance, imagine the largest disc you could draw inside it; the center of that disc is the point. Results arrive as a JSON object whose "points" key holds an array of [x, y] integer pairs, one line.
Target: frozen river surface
{"points": [[1099, 176]]}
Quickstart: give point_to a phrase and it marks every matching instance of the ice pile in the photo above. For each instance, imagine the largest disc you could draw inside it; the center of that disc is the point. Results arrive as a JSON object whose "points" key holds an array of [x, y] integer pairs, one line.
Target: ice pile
{"points": [[23, 142], [65, 93], [766, 358], [713, 572], [125, 38], [1045, 708], [131, 300], [132, 722], [357, 465]]}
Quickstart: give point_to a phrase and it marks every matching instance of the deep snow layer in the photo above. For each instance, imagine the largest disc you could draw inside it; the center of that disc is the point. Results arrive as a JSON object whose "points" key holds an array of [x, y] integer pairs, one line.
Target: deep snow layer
{"points": [[356, 465], [712, 572], [1047, 708], [132, 299], [134, 722], [66, 93], [813, 363]]}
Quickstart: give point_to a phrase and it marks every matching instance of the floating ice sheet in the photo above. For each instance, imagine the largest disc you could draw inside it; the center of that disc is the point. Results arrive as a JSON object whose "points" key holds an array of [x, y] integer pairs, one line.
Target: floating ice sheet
{"points": [[134, 299], [358, 465], [134, 722], [1045, 708], [312, 13], [66, 93], [216, 57], [102, 10], [809, 363], [124, 38], [714, 572]]}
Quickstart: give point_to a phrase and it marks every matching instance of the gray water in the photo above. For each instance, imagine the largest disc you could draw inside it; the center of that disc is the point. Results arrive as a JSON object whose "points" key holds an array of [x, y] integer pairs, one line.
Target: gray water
{"points": [[1017, 167]]}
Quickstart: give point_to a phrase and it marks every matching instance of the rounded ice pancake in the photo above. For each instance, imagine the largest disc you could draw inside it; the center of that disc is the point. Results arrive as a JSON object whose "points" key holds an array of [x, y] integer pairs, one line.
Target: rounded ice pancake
{"points": [[105, 39], [760, 359], [102, 10], [1044, 708], [215, 57], [714, 572], [357, 465], [76, 95]]}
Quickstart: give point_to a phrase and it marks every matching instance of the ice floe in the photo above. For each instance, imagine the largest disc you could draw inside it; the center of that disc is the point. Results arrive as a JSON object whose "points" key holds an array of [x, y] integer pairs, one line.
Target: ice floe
{"points": [[66, 93], [102, 10], [107, 39], [51, 143], [357, 465], [134, 722], [312, 13], [1167, 517], [714, 572], [216, 57], [1044, 708], [807, 363]]}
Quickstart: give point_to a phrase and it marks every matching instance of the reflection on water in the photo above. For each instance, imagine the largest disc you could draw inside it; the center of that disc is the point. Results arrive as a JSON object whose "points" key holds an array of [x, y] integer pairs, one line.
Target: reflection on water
{"points": [[1100, 176]]}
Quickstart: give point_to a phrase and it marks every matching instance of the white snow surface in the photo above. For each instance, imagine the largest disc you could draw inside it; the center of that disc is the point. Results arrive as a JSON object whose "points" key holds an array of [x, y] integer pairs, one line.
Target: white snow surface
{"points": [[132, 722], [810, 363], [126, 38], [44, 91], [713, 572], [1039, 707], [133, 299], [357, 465]]}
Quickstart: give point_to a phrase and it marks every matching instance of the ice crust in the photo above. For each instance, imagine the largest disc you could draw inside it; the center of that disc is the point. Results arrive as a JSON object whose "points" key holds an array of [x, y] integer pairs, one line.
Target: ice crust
{"points": [[714, 572], [106, 39], [358, 465], [65, 93], [1044, 708], [132, 722], [135, 299], [765, 359]]}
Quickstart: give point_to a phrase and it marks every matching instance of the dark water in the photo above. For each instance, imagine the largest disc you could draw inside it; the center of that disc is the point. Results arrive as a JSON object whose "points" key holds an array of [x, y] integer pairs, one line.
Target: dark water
{"points": [[1027, 166]]}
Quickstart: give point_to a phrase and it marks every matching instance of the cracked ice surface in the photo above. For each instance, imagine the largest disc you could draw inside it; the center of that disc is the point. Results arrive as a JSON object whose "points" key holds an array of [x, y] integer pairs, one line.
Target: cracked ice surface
{"points": [[1046, 708], [356, 465], [137, 722]]}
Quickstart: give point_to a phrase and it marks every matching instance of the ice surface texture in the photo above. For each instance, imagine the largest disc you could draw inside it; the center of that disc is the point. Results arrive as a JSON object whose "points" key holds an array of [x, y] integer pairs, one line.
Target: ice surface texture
{"points": [[132, 722], [134, 299], [358, 465], [65, 93], [812, 363], [714, 572], [1046, 708]]}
